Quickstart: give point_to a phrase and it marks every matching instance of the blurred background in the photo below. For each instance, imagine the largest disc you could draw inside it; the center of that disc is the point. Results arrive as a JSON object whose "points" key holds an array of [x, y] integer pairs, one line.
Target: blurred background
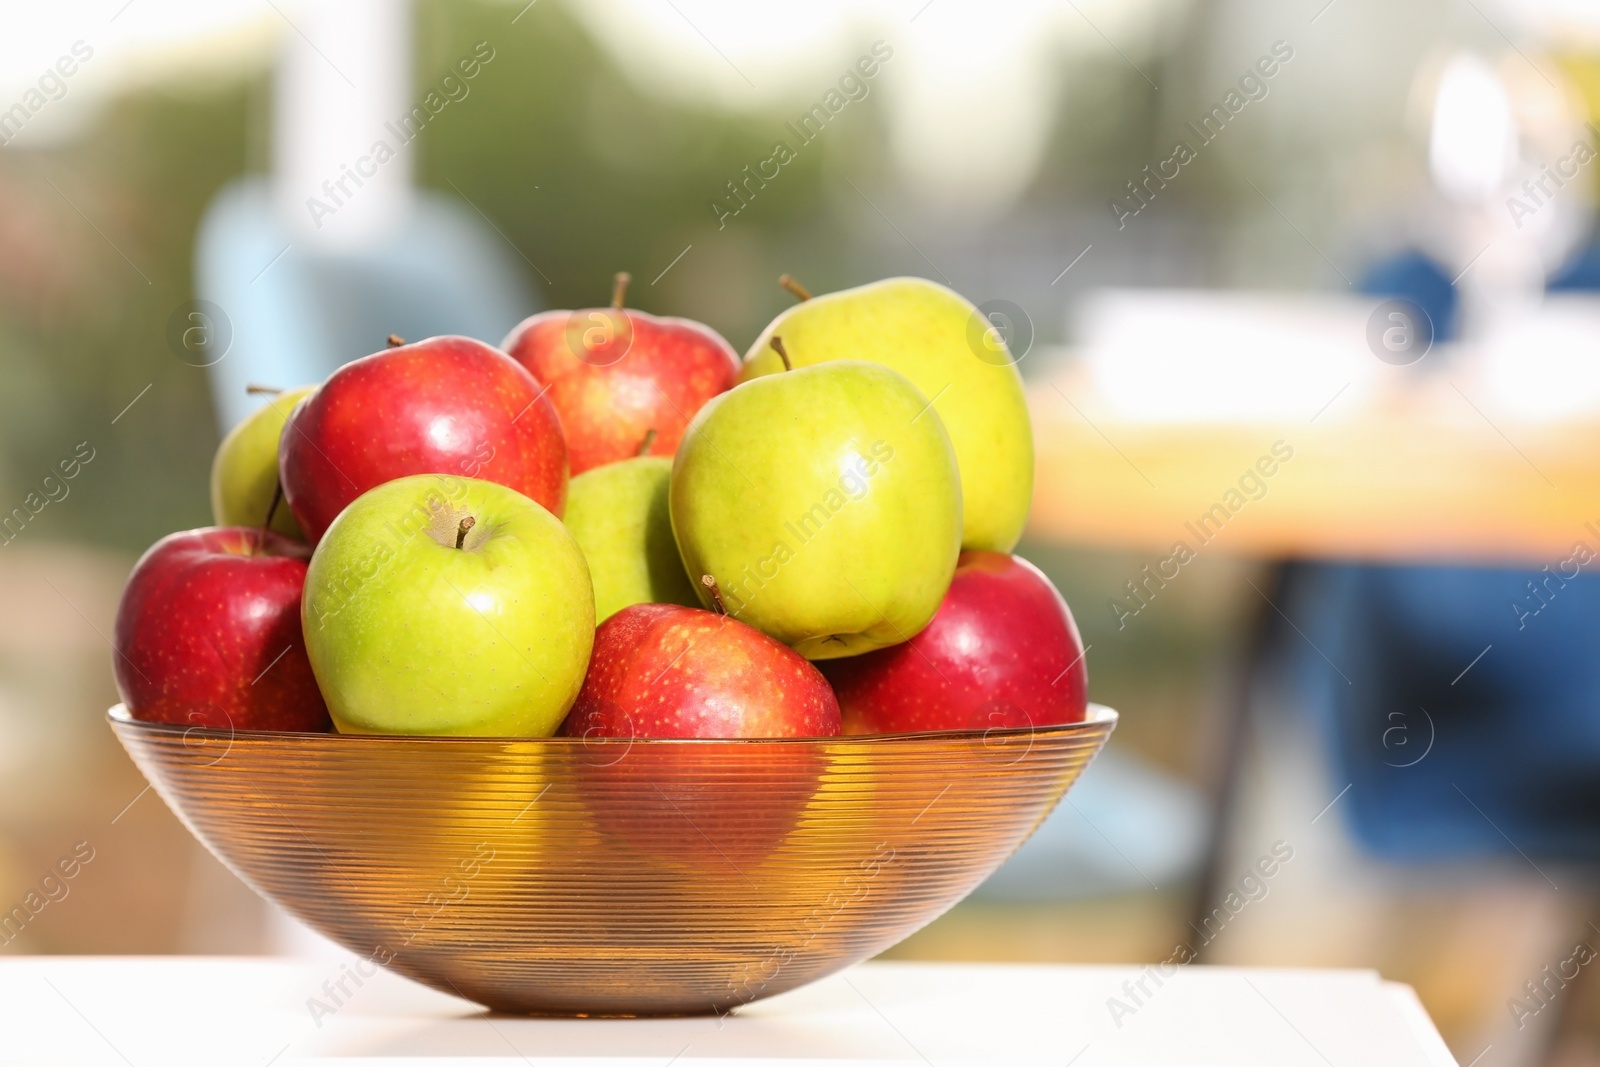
{"points": [[1348, 240]]}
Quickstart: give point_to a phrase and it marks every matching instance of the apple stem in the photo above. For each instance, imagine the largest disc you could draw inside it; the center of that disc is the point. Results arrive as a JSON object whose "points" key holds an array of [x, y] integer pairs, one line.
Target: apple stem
{"points": [[395, 340], [461, 531], [272, 509], [792, 284], [783, 353], [619, 288], [649, 440], [716, 594], [261, 390]]}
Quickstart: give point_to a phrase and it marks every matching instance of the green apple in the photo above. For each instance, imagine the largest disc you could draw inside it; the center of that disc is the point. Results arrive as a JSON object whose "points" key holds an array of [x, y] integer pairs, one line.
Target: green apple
{"points": [[244, 474], [826, 504], [939, 340], [618, 514], [444, 605]]}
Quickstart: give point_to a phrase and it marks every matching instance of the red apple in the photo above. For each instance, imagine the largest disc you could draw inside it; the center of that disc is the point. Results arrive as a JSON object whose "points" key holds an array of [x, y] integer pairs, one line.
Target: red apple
{"points": [[447, 405], [665, 671], [1002, 650], [615, 375], [208, 633]]}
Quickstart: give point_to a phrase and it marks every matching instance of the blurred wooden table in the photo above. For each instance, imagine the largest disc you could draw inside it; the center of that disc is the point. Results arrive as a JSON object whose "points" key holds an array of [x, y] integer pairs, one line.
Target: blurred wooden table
{"points": [[1434, 474], [1428, 476]]}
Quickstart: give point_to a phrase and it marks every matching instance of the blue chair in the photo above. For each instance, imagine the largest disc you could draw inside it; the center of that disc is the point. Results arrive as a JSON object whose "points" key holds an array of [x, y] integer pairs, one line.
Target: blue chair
{"points": [[1470, 722], [1469, 726]]}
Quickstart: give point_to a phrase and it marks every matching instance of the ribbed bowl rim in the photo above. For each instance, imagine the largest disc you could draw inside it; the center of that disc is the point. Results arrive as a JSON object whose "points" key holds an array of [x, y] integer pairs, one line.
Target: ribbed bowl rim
{"points": [[1098, 716]]}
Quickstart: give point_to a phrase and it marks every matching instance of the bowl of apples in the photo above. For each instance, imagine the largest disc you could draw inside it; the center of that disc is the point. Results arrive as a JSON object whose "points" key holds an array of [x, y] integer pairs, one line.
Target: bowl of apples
{"points": [[604, 673]]}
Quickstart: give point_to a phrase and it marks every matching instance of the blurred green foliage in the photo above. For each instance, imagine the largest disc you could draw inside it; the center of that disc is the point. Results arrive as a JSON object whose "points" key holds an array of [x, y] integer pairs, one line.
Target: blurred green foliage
{"points": [[583, 171], [83, 324]]}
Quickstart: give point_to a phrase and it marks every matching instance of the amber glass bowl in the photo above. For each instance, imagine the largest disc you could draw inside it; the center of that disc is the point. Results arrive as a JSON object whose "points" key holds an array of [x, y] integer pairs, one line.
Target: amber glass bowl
{"points": [[575, 877]]}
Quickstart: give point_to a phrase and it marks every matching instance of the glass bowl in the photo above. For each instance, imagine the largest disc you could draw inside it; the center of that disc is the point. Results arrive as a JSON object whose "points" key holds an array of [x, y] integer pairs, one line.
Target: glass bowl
{"points": [[623, 877]]}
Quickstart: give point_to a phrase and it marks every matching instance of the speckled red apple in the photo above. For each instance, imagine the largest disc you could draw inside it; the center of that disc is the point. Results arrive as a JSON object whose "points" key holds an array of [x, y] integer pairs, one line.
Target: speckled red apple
{"points": [[664, 670], [615, 374], [667, 671]]}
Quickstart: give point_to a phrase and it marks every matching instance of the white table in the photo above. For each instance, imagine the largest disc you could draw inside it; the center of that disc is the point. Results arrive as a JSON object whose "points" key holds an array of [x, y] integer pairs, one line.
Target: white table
{"points": [[165, 1011]]}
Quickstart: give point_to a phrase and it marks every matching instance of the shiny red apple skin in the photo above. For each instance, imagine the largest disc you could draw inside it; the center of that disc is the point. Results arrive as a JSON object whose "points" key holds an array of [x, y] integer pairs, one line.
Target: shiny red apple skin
{"points": [[208, 633], [662, 671], [1002, 651], [616, 374], [447, 405], [667, 671]]}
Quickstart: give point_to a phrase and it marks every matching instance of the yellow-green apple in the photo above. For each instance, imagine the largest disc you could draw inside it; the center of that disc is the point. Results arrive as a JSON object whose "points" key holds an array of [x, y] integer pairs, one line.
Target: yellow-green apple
{"points": [[940, 341], [447, 405], [1002, 651], [618, 515], [208, 633], [244, 472], [615, 373], [667, 671], [444, 605], [826, 503]]}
